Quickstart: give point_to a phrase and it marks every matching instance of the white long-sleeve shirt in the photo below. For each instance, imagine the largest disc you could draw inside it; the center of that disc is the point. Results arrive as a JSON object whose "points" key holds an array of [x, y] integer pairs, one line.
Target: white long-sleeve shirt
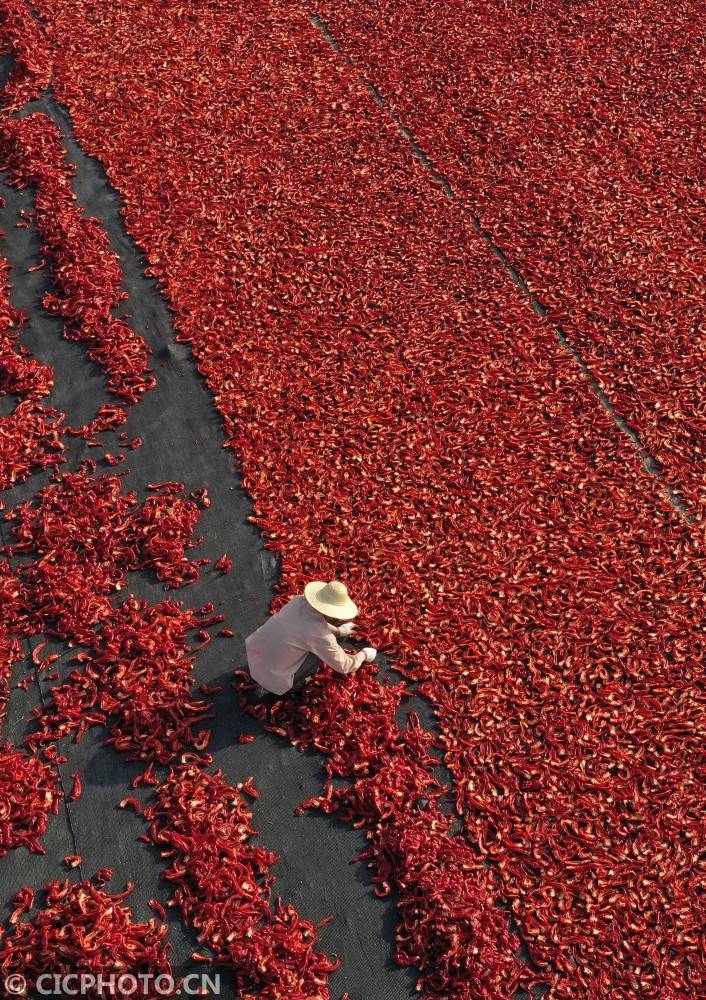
{"points": [[279, 647]]}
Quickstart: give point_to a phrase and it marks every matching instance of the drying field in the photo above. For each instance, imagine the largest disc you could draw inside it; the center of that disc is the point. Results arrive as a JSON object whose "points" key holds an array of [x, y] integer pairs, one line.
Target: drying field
{"points": [[410, 295]]}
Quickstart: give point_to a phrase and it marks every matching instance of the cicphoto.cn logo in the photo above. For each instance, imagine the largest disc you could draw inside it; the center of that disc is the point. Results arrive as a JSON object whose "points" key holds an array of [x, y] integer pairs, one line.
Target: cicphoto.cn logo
{"points": [[80, 984]]}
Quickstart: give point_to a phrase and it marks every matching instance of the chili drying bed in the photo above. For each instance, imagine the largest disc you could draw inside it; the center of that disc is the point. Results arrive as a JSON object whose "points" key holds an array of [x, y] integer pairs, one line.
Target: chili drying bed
{"points": [[183, 441]]}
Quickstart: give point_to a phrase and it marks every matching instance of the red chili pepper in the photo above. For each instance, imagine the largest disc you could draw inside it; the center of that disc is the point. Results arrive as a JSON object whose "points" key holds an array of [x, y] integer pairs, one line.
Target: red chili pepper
{"points": [[166, 487], [37, 653], [224, 564], [47, 662], [77, 790], [201, 496], [146, 778], [132, 802], [158, 909]]}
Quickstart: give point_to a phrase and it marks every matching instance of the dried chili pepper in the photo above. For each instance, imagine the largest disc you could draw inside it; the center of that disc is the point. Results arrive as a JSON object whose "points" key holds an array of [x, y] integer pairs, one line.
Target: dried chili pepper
{"points": [[77, 790], [224, 564]]}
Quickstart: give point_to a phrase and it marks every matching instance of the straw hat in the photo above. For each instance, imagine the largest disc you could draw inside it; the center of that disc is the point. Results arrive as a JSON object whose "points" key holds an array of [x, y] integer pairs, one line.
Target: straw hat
{"points": [[330, 599]]}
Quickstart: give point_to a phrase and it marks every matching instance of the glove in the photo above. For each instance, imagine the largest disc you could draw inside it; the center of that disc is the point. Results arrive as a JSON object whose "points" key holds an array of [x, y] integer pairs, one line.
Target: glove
{"points": [[370, 653], [346, 630]]}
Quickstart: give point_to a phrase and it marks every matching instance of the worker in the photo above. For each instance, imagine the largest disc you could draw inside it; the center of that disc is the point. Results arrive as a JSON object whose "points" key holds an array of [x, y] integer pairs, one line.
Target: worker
{"points": [[292, 645]]}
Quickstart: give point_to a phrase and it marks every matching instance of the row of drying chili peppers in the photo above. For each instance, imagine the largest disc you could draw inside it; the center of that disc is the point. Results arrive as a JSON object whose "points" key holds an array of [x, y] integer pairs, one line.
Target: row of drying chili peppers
{"points": [[23, 38], [86, 270], [30, 436], [86, 536], [575, 133], [403, 420], [30, 439]]}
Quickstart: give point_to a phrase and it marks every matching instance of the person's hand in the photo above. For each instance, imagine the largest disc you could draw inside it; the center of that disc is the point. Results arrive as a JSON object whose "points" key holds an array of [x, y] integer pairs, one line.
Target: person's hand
{"points": [[370, 653], [347, 630]]}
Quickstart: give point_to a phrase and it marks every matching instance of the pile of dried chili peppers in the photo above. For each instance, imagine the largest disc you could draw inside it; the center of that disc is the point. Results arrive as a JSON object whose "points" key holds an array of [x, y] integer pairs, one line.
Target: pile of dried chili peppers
{"points": [[138, 677], [223, 888], [85, 534], [29, 795], [83, 929]]}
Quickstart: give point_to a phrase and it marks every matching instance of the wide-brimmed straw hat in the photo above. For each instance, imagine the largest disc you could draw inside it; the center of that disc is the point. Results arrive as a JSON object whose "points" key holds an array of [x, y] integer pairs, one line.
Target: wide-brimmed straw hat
{"points": [[330, 599]]}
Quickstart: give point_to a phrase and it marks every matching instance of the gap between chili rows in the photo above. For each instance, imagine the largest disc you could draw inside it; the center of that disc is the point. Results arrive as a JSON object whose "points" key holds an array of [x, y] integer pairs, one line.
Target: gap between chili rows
{"points": [[647, 460]]}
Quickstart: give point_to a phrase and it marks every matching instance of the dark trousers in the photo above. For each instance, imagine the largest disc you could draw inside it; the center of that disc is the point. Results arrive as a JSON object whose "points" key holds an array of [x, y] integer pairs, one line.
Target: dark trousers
{"points": [[310, 666]]}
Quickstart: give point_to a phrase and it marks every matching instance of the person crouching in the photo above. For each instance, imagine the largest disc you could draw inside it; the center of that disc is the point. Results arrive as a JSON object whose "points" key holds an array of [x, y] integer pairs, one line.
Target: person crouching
{"points": [[292, 645]]}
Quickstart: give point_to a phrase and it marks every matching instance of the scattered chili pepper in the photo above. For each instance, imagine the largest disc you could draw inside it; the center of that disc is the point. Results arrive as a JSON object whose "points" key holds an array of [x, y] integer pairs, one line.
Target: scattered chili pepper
{"points": [[47, 662], [147, 777], [77, 790], [133, 803], [201, 496], [158, 909], [224, 564]]}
